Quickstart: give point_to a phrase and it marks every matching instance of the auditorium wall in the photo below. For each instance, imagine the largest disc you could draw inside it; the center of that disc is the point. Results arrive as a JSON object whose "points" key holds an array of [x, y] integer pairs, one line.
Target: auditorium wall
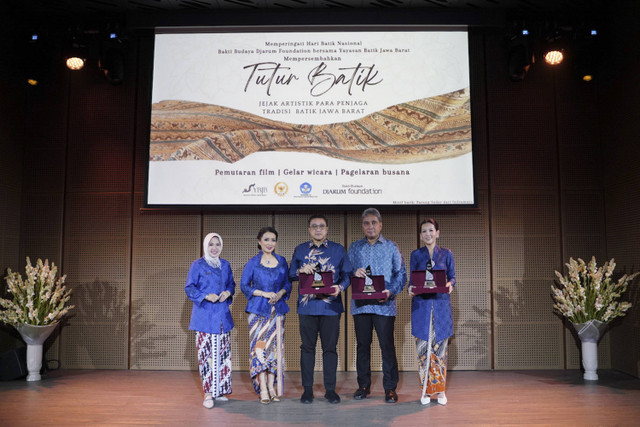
{"points": [[621, 162], [540, 200]]}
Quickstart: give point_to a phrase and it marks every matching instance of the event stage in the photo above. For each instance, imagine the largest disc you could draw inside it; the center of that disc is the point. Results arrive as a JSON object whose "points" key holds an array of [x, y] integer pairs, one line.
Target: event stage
{"points": [[173, 398]]}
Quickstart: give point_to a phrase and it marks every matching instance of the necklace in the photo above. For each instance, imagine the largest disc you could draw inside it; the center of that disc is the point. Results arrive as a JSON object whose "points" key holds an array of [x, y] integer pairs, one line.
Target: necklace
{"points": [[267, 260]]}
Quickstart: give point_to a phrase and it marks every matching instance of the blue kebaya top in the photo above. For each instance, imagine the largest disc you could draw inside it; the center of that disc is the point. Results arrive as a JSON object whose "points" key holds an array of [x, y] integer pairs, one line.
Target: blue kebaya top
{"points": [[257, 276], [385, 259], [422, 304], [332, 257], [203, 279]]}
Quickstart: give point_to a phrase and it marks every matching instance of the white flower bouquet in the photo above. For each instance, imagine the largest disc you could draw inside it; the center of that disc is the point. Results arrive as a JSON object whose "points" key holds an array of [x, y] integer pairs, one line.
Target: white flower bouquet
{"points": [[39, 299], [589, 293]]}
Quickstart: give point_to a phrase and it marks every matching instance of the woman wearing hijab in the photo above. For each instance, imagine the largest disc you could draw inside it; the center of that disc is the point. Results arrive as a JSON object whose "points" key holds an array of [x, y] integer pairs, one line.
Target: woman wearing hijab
{"points": [[211, 287], [431, 315], [265, 283]]}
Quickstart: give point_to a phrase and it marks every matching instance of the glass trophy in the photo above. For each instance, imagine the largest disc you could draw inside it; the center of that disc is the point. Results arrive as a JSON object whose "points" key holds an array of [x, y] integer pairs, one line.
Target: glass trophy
{"points": [[317, 277], [429, 283], [368, 282]]}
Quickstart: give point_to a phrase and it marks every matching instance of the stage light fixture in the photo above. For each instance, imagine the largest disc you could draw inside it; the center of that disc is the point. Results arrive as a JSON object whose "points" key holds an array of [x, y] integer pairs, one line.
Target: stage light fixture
{"points": [[521, 55], [554, 57], [111, 60], [75, 63], [586, 54], [75, 54], [111, 63], [34, 61]]}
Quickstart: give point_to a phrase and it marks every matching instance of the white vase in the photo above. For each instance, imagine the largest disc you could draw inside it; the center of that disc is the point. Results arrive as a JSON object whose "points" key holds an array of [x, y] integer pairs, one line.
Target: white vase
{"points": [[35, 336], [589, 333]]}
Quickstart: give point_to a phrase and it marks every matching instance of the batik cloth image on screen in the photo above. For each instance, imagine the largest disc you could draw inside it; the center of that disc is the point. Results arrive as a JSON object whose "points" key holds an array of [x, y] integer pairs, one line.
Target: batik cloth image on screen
{"points": [[311, 118]]}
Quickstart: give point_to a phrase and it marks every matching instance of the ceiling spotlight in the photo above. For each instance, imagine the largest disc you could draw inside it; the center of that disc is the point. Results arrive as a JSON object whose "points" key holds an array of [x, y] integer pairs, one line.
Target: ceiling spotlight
{"points": [[75, 53], [554, 57], [75, 63]]}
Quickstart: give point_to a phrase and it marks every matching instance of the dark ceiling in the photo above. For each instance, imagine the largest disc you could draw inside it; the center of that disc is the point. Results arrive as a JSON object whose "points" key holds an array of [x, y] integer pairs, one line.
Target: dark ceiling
{"points": [[74, 7], [29, 14]]}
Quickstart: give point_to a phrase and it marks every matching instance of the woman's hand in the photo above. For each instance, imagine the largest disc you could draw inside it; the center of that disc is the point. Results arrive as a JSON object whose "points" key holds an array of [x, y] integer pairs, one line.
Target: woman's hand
{"points": [[212, 297], [271, 296], [223, 296], [410, 289], [278, 296], [449, 287]]}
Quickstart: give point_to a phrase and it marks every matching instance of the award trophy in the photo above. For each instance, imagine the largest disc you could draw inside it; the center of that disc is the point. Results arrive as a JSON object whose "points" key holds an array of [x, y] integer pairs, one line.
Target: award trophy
{"points": [[368, 282], [429, 283], [317, 277]]}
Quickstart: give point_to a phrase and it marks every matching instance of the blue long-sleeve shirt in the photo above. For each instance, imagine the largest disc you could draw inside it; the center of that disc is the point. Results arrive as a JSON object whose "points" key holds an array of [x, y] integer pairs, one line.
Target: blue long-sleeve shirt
{"points": [[422, 304], [332, 257], [257, 276], [202, 279], [385, 259]]}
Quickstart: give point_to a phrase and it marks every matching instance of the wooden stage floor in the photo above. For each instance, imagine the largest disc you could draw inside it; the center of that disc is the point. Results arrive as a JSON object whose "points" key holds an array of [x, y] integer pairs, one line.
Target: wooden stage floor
{"points": [[173, 398]]}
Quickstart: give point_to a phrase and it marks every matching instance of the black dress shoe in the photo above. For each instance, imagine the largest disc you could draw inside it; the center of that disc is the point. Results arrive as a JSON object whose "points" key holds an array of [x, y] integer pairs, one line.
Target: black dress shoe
{"points": [[390, 396], [307, 396], [332, 396], [361, 393]]}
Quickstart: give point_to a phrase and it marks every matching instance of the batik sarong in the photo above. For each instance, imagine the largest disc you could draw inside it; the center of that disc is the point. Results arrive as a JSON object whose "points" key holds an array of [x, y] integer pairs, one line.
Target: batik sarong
{"points": [[432, 361], [214, 362], [264, 346]]}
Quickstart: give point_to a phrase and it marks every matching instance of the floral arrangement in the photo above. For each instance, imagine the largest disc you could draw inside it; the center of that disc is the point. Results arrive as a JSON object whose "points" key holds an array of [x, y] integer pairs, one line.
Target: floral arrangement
{"points": [[589, 293], [40, 299]]}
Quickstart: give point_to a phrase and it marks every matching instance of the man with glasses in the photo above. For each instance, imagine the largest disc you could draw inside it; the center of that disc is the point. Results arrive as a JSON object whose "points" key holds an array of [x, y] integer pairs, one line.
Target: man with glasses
{"points": [[383, 258], [320, 313]]}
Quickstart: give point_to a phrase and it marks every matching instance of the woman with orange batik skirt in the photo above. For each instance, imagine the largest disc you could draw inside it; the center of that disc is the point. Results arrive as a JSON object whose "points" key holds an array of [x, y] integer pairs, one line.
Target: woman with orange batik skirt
{"points": [[431, 315]]}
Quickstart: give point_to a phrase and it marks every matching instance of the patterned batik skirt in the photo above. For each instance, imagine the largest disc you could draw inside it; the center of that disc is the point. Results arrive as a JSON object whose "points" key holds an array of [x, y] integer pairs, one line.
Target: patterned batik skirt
{"points": [[214, 362], [264, 346], [432, 361]]}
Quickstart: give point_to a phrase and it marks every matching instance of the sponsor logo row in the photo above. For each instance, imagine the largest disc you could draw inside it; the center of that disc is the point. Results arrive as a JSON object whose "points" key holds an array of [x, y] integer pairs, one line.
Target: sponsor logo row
{"points": [[305, 189]]}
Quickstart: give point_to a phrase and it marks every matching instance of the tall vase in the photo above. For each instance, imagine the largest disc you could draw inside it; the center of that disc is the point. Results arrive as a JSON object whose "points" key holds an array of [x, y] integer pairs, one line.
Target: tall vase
{"points": [[35, 336], [589, 333]]}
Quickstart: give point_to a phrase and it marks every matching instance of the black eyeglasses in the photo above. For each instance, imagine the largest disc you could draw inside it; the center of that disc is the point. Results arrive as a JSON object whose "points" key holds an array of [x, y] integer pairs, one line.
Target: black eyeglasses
{"points": [[317, 226]]}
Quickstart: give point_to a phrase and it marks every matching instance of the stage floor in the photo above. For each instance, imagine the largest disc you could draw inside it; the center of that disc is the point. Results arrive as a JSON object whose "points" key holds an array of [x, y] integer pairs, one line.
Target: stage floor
{"points": [[174, 398]]}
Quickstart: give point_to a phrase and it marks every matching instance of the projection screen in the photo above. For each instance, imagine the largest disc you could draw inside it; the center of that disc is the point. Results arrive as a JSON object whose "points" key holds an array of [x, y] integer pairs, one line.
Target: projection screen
{"points": [[311, 118]]}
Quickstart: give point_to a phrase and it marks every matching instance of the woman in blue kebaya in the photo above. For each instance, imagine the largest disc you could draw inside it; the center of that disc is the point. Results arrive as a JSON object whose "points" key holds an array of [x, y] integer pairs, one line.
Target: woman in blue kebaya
{"points": [[431, 316], [211, 287], [265, 283]]}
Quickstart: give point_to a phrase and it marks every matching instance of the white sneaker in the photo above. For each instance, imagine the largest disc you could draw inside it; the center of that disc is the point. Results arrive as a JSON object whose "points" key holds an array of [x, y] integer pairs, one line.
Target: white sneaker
{"points": [[442, 398], [425, 399], [208, 402], [222, 398]]}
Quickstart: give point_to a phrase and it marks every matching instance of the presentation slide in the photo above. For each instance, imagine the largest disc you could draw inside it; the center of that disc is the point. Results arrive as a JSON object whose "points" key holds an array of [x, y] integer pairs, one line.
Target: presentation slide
{"points": [[311, 118]]}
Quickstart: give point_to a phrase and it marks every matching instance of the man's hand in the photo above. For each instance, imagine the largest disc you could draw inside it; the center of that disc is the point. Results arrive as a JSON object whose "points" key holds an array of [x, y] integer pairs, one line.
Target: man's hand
{"points": [[388, 292]]}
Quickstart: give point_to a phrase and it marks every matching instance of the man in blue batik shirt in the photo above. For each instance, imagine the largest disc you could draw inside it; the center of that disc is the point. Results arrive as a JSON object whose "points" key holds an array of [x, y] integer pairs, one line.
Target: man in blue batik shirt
{"points": [[320, 314], [384, 258]]}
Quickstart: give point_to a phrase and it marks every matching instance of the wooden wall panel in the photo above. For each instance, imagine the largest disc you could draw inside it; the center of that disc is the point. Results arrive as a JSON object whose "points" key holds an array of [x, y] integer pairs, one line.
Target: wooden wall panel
{"points": [[539, 203], [97, 255]]}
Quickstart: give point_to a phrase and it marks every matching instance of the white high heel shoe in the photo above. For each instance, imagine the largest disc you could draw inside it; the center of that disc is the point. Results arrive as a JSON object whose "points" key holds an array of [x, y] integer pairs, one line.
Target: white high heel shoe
{"points": [[208, 401], [442, 398]]}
